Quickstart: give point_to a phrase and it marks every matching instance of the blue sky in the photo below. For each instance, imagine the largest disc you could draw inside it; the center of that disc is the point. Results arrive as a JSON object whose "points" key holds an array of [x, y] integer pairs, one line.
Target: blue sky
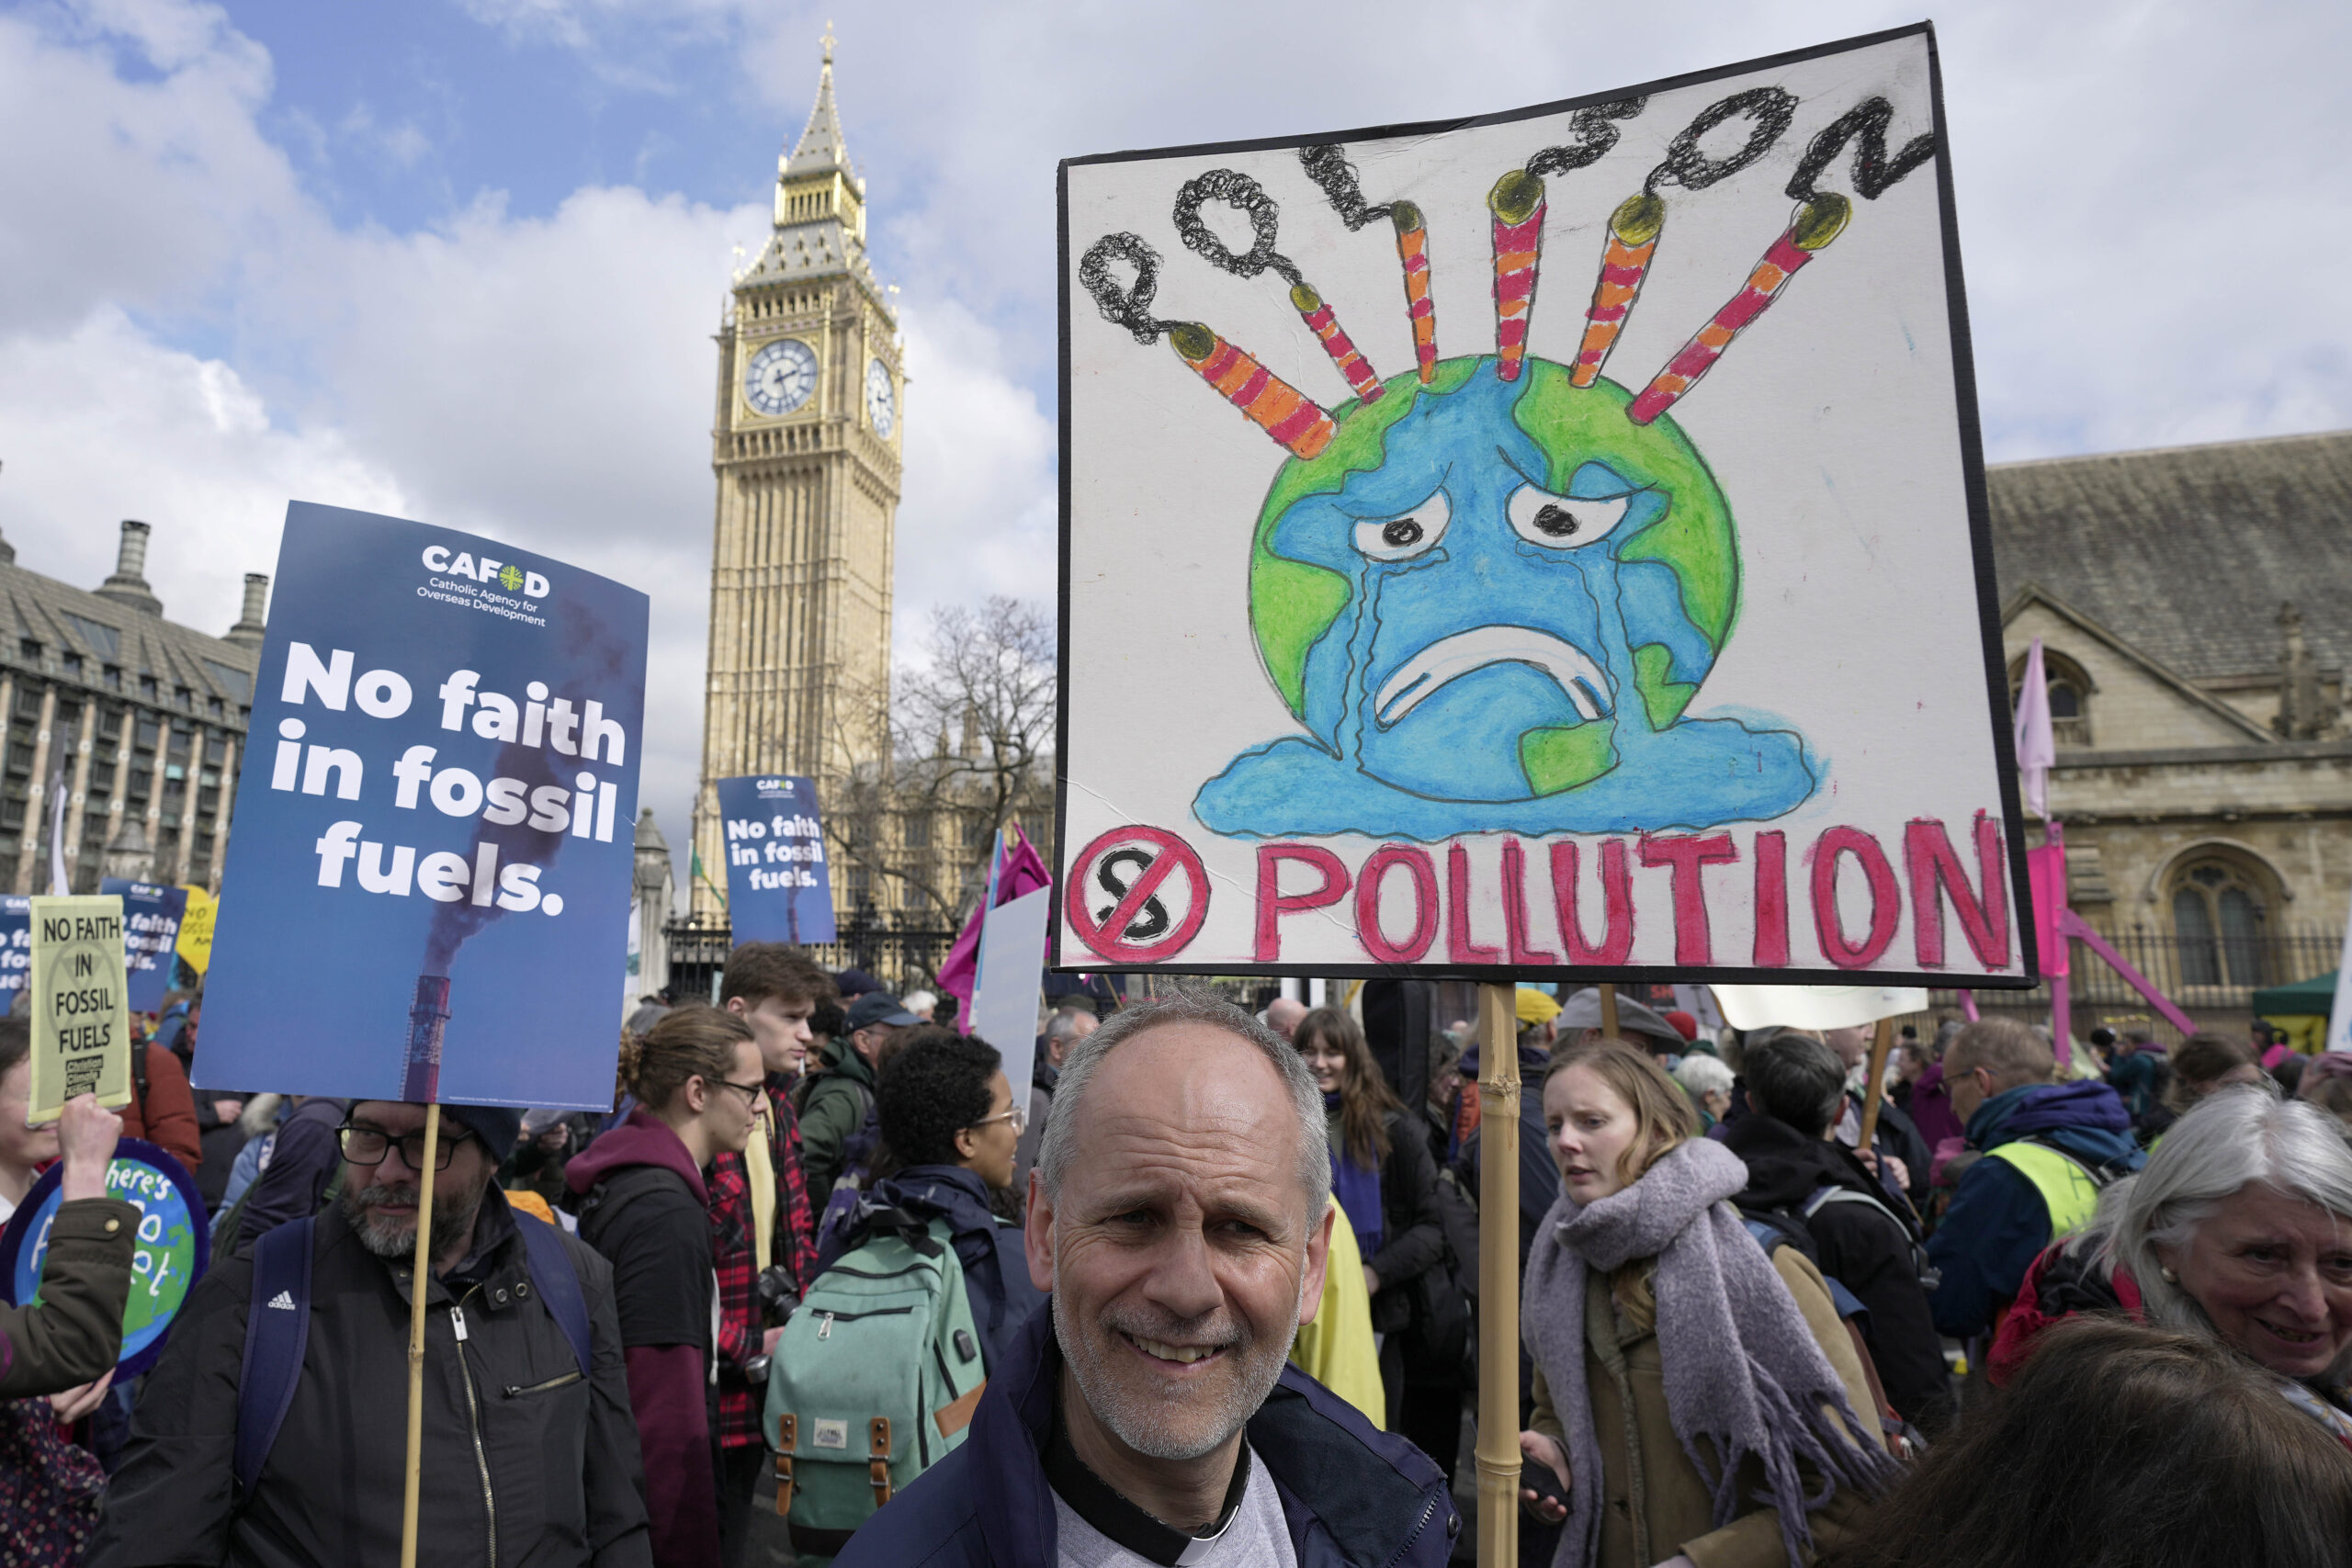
{"points": [[460, 260]]}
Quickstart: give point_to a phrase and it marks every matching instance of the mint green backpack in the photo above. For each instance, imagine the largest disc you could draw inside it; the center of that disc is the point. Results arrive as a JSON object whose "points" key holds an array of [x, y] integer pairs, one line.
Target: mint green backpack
{"points": [[874, 1381]]}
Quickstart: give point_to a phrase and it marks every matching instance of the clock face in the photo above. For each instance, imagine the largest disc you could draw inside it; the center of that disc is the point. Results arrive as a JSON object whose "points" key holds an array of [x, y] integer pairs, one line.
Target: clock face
{"points": [[881, 403], [780, 377]]}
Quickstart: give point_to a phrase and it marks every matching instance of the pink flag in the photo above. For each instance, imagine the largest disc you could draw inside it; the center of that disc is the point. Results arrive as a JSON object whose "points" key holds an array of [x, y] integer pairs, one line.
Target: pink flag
{"points": [[2036, 748], [1019, 872]]}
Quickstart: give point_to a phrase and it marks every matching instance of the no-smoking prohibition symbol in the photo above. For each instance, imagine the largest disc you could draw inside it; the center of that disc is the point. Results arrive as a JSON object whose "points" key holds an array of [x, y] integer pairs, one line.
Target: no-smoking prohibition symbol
{"points": [[1117, 903]]}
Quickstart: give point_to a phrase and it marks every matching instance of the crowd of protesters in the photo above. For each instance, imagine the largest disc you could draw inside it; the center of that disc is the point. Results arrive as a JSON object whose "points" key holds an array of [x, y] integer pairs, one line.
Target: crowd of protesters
{"points": [[1205, 1291]]}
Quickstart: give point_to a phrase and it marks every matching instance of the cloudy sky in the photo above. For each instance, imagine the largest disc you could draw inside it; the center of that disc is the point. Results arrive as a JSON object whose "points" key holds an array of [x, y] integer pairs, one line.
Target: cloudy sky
{"points": [[462, 260]]}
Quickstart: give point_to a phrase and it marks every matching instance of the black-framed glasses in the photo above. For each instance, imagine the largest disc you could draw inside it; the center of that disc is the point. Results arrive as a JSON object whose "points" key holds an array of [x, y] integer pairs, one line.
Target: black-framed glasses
{"points": [[750, 1091], [368, 1145]]}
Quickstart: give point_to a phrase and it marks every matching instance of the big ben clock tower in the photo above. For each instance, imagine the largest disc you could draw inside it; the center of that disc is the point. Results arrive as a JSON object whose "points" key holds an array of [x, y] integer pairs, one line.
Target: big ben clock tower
{"points": [[806, 454]]}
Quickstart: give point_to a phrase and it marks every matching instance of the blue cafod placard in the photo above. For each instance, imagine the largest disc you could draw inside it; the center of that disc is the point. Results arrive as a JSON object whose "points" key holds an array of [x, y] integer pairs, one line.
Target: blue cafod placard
{"points": [[427, 893], [151, 932], [15, 946], [777, 885]]}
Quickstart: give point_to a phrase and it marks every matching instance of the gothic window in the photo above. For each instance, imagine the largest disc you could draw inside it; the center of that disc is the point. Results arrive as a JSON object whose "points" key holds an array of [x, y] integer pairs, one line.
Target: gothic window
{"points": [[918, 830], [2218, 918], [2070, 697]]}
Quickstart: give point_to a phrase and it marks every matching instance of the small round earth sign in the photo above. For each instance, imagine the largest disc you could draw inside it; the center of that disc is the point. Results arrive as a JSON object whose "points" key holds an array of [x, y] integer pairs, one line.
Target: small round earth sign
{"points": [[173, 1249]]}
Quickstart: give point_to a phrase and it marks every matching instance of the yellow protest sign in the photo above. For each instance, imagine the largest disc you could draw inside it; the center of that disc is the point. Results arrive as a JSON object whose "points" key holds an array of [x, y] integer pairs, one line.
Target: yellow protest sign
{"points": [[81, 1024], [195, 927]]}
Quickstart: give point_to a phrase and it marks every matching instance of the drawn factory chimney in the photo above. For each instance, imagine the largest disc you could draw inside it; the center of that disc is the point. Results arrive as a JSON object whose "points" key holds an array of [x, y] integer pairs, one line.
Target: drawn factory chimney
{"points": [[427, 1016]]}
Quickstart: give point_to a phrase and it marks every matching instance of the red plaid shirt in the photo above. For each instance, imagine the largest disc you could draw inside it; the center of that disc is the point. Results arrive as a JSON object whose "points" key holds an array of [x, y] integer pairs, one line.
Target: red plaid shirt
{"points": [[794, 1245]]}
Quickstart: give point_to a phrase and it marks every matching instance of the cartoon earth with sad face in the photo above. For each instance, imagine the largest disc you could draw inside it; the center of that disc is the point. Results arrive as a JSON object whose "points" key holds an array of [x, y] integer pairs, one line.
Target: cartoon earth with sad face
{"points": [[1492, 603]]}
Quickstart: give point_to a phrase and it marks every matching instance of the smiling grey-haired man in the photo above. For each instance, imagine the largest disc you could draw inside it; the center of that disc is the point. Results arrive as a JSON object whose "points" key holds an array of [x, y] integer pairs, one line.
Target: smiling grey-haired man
{"points": [[1179, 1215]]}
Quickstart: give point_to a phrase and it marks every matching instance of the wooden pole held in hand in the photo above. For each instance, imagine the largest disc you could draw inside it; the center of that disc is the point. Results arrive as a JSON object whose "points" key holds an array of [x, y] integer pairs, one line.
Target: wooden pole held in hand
{"points": [[1607, 1010], [1876, 1089], [1498, 1450], [420, 1286]]}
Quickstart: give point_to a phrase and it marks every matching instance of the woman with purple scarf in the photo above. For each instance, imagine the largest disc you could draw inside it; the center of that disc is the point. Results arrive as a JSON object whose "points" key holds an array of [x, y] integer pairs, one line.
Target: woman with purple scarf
{"points": [[1697, 1400]]}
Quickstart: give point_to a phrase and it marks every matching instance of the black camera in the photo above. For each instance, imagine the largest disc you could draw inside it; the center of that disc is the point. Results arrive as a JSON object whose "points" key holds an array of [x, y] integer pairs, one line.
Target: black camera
{"points": [[778, 1294]]}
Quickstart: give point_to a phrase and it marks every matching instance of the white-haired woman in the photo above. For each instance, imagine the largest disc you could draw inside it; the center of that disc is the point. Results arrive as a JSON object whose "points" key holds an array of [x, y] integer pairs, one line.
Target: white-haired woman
{"points": [[1708, 1083], [2239, 1229]]}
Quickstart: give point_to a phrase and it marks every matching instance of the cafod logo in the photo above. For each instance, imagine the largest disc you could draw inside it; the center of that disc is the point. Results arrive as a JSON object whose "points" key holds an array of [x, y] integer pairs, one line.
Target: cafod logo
{"points": [[506, 574]]}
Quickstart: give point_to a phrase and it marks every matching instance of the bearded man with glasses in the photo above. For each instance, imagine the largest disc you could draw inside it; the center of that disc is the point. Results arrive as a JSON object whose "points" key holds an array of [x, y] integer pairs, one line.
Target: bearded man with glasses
{"points": [[528, 1455]]}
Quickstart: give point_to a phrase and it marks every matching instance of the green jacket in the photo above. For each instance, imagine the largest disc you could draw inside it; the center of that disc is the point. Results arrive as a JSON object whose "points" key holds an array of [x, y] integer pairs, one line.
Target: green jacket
{"points": [[831, 1115], [75, 1334]]}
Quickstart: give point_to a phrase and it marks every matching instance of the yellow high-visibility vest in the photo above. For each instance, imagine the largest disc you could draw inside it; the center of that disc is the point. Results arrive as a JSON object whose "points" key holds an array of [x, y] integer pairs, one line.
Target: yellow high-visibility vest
{"points": [[2067, 1189]]}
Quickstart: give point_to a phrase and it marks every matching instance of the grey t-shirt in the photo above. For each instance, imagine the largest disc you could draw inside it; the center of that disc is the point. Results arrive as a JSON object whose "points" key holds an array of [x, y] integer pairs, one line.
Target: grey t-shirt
{"points": [[1257, 1535]]}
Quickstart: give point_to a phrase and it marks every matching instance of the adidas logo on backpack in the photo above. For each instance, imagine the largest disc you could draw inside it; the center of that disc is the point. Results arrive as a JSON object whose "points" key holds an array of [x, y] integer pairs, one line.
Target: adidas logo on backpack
{"points": [[282, 1302]]}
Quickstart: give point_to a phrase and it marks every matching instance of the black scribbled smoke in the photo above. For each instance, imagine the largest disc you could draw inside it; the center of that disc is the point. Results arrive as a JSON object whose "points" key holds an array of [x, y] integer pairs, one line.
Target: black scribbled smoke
{"points": [[1126, 306], [1864, 124], [1236, 190], [1769, 110], [598, 664], [1327, 165], [1595, 136], [517, 842]]}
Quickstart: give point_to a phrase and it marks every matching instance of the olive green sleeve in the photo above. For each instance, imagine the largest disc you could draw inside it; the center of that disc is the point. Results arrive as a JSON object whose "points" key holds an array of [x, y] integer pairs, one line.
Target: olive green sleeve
{"points": [[74, 1334]]}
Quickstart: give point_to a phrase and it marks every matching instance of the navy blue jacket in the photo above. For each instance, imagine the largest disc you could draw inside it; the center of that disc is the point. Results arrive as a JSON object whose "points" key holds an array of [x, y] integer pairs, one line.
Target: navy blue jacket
{"points": [[1351, 1494], [1998, 1224], [996, 1266]]}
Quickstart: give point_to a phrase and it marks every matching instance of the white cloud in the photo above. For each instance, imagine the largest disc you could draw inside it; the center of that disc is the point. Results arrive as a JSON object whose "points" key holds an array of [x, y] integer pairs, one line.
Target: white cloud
{"points": [[102, 424], [979, 515], [138, 193]]}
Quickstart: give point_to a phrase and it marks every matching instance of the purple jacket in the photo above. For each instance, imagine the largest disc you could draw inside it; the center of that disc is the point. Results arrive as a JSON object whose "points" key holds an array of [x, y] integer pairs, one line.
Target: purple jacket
{"points": [[1930, 1109], [1351, 1494]]}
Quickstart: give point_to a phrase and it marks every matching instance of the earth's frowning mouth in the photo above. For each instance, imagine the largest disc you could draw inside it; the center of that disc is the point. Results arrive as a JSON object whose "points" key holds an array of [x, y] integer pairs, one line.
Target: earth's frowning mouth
{"points": [[1451, 657]]}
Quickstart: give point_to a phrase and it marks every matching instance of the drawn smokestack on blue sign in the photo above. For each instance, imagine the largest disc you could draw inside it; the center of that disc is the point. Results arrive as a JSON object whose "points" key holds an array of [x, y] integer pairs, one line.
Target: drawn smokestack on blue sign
{"points": [[428, 1018]]}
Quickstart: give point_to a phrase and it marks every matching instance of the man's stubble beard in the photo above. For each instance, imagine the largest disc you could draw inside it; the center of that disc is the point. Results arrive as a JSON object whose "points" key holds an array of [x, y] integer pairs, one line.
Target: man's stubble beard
{"points": [[452, 1219], [1137, 1420]]}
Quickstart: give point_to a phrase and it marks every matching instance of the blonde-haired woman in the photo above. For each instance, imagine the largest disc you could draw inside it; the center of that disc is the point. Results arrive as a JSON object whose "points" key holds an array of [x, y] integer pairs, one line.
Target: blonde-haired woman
{"points": [[1700, 1403]]}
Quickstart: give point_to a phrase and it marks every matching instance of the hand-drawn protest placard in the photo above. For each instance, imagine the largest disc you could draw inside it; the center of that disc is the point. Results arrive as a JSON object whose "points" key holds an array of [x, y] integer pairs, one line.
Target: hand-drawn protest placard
{"points": [[1639, 626], [151, 934], [81, 1025], [427, 893], [174, 1244], [778, 888]]}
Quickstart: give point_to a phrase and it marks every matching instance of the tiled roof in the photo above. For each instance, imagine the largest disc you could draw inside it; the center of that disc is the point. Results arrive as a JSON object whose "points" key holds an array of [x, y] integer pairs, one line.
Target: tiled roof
{"points": [[2188, 551], [65, 619]]}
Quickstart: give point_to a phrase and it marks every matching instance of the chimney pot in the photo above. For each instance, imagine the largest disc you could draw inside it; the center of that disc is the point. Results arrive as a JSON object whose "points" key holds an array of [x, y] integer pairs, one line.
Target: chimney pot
{"points": [[132, 560], [128, 583], [247, 632]]}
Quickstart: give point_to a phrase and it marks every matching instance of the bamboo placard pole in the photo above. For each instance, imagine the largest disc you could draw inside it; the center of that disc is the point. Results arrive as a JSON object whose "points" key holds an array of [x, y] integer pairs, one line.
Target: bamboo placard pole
{"points": [[1607, 1010], [420, 1286], [1498, 1450], [1877, 1086]]}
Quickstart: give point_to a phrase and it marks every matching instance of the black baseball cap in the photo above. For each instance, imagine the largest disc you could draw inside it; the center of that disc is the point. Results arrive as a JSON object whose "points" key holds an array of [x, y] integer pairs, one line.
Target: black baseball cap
{"points": [[878, 1007]]}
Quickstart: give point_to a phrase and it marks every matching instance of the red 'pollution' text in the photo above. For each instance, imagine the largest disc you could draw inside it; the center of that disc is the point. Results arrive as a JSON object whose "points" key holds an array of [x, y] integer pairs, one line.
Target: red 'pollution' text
{"points": [[1585, 904]]}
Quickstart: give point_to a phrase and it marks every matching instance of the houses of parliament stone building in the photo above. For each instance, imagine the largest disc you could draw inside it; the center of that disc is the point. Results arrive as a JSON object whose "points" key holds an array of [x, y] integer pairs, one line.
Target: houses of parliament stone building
{"points": [[806, 446]]}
